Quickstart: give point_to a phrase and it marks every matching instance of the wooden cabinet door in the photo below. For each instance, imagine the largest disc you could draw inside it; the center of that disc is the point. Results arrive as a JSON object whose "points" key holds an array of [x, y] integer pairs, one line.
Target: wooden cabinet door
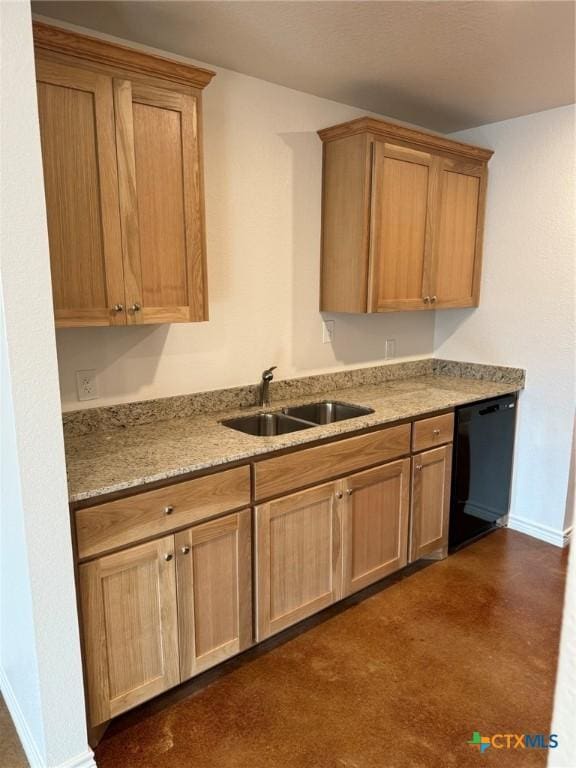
{"points": [[298, 557], [129, 627], [214, 576], [160, 180], [403, 193], [81, 186], [431, 473], [375, 524], [458, 237]]}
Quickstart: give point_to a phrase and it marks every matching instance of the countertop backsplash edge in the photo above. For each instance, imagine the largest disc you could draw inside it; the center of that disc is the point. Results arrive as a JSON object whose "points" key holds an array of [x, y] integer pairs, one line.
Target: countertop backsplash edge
{"points": [[122, 415]]}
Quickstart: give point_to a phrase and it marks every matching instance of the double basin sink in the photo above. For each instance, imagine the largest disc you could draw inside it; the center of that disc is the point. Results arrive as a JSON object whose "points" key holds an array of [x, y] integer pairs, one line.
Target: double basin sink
{"points": [[298, 417]]}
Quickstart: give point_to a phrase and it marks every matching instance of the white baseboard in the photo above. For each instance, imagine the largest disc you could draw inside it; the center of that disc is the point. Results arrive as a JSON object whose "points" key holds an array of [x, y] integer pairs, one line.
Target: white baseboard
{"points": [[542, 532], [33, 754], [83, 760]]}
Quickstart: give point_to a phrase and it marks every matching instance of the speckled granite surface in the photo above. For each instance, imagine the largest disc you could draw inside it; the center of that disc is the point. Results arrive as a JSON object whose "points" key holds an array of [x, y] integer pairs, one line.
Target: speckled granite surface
{"points": [[108, 460], [199, 403]]}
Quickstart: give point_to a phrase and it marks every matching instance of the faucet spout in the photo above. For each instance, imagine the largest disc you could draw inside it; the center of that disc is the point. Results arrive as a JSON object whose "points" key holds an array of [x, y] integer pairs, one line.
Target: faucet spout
{"points": [[267, 377]]}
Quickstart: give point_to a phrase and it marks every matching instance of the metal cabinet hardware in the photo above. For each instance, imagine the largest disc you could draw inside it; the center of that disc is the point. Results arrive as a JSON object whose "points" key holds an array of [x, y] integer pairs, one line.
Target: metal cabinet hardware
{"points": [[118, 307], [185, 549], [168, 556], [168, 509]]}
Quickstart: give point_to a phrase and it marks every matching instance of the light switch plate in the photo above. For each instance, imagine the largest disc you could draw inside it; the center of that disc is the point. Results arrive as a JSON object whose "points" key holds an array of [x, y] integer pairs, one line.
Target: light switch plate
{"points": [[86, 385], [328, 331]]}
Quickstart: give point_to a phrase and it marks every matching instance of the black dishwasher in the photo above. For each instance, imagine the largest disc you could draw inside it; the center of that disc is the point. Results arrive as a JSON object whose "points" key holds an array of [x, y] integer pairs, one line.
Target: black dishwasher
{"points": [[481, 467]]}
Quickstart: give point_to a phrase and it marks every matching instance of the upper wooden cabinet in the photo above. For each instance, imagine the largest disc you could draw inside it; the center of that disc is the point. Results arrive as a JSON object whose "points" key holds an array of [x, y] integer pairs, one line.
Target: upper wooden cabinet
{"points": [[122, 156], [402, 219]]}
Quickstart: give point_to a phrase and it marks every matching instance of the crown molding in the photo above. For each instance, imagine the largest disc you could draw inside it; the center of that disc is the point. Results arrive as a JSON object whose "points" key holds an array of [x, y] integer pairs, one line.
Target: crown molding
{"points": [[55, 39], [397, 132]]}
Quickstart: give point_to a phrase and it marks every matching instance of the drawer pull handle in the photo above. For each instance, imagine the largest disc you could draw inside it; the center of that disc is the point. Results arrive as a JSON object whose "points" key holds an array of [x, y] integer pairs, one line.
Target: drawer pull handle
{"points": [[185, 549], [168, 509], [168, 556], [436, 432]]}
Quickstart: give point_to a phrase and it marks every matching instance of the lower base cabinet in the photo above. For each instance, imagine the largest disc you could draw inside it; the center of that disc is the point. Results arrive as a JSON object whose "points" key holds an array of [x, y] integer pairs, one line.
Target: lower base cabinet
{"points": [[214, 579], [157, 613], [375, 524], [431, 474], [315, 547], [298, 557]]}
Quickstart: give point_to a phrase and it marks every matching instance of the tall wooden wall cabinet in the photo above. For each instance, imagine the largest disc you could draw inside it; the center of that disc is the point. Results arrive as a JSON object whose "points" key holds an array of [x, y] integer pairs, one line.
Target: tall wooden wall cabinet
{"points": [[402, 219], [122, 154]]}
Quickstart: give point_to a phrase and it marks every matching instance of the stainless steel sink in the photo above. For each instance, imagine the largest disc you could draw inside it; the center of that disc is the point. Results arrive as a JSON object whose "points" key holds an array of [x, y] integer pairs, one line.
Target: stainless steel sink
{"points": [[327, 412], [267, 424]]}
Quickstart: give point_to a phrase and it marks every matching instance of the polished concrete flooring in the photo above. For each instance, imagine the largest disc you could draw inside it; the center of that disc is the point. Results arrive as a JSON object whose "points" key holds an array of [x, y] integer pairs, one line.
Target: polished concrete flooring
{"points": [[399, 679], [11, 753]]}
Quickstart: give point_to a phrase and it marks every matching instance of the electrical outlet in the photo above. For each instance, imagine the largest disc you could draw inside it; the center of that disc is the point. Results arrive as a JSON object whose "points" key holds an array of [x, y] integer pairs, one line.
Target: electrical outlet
{"points": [[390, 349], [328, 331], [86, 385]]}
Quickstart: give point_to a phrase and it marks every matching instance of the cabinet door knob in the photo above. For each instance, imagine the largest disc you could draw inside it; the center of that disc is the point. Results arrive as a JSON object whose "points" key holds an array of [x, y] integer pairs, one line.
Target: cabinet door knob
{"points": [[168, 556], [339, 494], [350, 491], [418, 467], [185, 549], [118, 308], [436, 432], [433, 299], [135, 307], [426, 299], [168, 509]]}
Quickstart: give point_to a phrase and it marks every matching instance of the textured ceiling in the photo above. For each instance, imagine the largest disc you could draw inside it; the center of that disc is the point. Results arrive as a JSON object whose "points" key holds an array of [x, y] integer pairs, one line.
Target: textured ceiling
{"points": [[444, 65]]}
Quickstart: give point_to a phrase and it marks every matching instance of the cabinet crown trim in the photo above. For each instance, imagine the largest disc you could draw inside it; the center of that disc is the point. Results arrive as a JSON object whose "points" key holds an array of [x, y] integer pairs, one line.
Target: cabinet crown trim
{"points": [[387, 130], [58, 40]]}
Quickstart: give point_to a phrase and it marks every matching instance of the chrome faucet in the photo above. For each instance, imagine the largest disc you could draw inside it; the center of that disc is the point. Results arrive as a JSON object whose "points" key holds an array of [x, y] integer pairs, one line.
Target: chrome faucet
{"points": [[267, 377]]}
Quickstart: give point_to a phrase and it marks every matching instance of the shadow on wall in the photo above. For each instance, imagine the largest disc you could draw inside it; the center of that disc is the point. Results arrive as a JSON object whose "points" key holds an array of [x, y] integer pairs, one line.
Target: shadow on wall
{"points": [[449, 322], [117, 347], [358, 339]]}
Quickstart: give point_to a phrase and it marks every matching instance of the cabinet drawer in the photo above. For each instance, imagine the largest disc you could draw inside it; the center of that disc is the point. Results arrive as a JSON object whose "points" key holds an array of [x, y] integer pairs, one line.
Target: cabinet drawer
{"points": [[282, 474], [431, 432], [118, 523]]}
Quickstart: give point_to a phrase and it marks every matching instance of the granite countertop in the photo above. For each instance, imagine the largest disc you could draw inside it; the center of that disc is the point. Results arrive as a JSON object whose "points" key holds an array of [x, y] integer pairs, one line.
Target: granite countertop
{"points": [[109, 460]]}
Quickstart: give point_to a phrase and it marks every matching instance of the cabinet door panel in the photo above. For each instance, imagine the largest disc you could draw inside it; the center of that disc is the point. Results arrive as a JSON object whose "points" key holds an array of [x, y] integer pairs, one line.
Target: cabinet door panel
{"points": [[214, 571], [402, 190], [81, 187], [431, 473], [458, 239], [130, 627], [160, 195], [375, 524], [298, 557]]}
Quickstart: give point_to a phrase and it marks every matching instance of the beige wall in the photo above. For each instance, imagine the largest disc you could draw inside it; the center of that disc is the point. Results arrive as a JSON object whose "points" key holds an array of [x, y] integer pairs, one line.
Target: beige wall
{"points": [[40, 665], [263, 182], [526, 315]]}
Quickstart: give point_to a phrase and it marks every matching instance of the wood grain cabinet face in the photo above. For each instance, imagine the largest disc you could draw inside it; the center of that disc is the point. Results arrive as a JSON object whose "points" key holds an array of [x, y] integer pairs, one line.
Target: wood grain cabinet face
{"points": [[402, 184], [375, 524], [160, 201], [458, 237], [81, 185], [214, 576], [431, 473], [298, 557], [130, 633], [407, 232], [123, 180]]}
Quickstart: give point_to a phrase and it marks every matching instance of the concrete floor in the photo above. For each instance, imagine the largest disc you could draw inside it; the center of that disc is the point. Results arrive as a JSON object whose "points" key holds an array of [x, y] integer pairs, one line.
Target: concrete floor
{"points": [[11, 753], [398, 679]]}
